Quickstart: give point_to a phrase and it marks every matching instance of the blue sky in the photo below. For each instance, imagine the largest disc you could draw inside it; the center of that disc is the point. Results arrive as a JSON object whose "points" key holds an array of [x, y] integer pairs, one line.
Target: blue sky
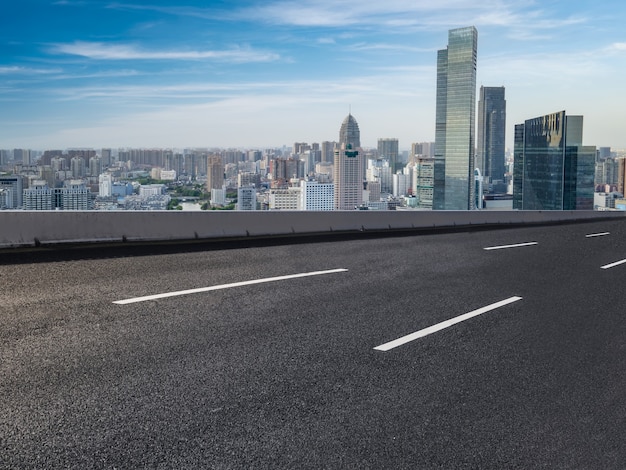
{"points": [[257, 74]]}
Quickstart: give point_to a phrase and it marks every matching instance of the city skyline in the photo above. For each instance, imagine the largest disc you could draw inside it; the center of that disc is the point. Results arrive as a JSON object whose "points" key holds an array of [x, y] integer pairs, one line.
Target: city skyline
{"points": [[265, 74]]}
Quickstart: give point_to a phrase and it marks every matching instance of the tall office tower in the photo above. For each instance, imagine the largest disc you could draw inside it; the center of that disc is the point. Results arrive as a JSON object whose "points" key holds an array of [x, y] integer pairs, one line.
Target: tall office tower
{"points": [[388, 149], [454, 122], [604, 153], [214, 173], [490, 154], [552, 169], [348, 177], [348, 166], [328, 149], [349, 132]]}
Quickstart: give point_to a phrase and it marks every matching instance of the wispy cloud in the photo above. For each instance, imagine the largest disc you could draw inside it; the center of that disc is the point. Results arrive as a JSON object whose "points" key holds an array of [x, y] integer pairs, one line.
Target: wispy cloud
{"points": [[26, 70], [617, 47], [389, 47], [106, 51]]}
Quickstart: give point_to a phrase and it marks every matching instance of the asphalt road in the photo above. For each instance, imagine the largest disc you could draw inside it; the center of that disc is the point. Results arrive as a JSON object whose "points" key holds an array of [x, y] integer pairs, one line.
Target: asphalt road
{"points": [[283, 373]]}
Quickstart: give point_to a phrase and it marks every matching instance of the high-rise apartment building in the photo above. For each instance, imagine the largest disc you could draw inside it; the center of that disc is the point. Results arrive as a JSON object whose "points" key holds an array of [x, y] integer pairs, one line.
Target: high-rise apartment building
{"points": [[95, 166], [425, 149], [388, 150], [215, 173], [38, 197], [77, 167], [454, 122], [75, 196], [105, 185], [107, 159], [552, 169], [490, 152]]}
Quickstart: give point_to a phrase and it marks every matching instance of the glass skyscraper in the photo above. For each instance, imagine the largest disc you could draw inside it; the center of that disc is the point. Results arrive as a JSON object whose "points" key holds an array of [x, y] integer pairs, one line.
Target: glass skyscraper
{"points": [[388, 149], [552, 169], [455, 121], [490, 152]]}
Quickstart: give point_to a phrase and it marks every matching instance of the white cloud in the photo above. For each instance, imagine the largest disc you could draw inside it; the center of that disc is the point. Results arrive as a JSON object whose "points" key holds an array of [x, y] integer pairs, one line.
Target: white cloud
{"points": [[106, 51], [617, 47], [26, 71]]}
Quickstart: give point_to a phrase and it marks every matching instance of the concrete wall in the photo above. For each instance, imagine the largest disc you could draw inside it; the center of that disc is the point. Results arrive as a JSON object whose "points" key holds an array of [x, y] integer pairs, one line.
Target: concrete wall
{"points": [[31, 228]]}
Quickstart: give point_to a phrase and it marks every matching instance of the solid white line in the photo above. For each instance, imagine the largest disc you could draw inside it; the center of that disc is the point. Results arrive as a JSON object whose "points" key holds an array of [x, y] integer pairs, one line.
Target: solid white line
{"points": [[591, 235], [225, 286], [612, 265], [510, 246], [444, 325]]}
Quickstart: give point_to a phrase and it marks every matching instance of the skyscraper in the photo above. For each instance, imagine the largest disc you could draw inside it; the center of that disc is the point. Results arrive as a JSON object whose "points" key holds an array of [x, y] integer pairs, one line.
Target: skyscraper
{"points": [[388, 149], [215, 173], [349, 166], [349, 132], [454, 122], [490, 153], [552, 169]]}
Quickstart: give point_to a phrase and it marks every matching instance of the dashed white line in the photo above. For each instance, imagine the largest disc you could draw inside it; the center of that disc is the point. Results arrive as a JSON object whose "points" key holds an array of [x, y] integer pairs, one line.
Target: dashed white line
{"points": [[510, 246], [226, 286], [612, 265], [592, 235], [444, 324]]}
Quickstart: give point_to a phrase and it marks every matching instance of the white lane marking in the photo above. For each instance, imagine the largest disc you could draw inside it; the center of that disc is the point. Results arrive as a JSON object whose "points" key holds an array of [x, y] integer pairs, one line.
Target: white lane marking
{"points": [[591, 235], [443, 325], [510, 246], [612, 265], [226, 286]]}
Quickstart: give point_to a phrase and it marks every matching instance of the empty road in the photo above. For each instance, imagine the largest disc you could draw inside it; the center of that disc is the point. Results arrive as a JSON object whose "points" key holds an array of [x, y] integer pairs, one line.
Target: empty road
{"points": [[485, 349]]}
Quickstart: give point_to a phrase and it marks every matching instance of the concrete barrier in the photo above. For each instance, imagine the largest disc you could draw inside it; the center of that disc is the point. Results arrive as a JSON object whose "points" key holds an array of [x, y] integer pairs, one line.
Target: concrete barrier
{"points": [[38, 228]]}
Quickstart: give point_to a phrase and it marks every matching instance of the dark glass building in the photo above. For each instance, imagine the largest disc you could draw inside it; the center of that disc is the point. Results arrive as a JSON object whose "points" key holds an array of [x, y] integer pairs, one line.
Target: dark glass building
{"points": [[490, 153], [455, 121], [552, 170]]}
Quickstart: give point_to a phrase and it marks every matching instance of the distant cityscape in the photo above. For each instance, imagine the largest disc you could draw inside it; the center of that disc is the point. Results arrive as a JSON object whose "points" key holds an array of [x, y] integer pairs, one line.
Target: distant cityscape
{"points": [[467, 167]]}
